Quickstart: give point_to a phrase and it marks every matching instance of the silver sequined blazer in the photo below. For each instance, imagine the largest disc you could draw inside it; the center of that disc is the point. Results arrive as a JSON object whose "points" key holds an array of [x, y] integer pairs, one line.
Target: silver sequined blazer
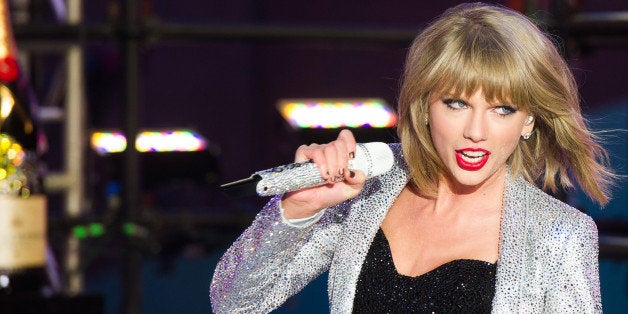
{"points": [[547, 260]]}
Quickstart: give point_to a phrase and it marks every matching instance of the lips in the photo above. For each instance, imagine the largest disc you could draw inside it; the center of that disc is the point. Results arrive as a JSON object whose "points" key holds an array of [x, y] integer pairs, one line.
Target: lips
{"points": [[472, 158]]}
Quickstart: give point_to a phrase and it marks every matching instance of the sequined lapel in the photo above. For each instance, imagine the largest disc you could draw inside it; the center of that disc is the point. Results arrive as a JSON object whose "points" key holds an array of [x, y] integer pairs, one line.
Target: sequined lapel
{"points": [[512, 251], [366, 215]]}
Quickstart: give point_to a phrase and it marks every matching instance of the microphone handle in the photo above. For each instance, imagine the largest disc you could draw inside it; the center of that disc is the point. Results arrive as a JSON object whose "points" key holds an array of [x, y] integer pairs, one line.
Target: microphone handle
{"points": [[291, 177], [371, 158]]}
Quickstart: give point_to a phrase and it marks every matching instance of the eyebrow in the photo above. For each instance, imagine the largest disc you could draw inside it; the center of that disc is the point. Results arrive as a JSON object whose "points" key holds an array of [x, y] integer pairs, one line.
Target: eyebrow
{"points": [[495, 103]]}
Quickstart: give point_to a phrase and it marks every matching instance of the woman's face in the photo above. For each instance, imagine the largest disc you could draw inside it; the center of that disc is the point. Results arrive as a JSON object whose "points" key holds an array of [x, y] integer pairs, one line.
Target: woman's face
{"points": [[474, 137]]}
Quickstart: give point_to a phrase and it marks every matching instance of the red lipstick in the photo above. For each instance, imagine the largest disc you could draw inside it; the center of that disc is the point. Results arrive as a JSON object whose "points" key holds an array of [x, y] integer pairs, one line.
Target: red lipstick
{"points": [[472, 158]]}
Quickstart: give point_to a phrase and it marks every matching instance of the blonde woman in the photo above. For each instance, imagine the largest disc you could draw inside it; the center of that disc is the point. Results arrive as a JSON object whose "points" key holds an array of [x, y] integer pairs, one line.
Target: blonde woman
{"points": [[489, 118]]}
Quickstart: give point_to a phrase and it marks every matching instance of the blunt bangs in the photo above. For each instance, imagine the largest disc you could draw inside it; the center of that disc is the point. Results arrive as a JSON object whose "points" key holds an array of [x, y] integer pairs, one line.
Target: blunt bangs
{"points": [[474, 56]]}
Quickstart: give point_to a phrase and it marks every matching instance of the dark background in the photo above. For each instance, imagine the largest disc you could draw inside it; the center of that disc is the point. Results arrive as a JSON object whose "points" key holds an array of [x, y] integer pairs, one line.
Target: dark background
{"points": [[225, 86]]}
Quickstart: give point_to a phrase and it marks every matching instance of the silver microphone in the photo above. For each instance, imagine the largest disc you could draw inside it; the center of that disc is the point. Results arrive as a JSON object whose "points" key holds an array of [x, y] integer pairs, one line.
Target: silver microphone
{"points": [[373, 159]]}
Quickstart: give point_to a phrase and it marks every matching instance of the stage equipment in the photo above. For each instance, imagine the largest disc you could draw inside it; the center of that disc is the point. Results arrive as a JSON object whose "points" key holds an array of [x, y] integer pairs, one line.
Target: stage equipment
{"points": [[337, 113], [178, 140]]}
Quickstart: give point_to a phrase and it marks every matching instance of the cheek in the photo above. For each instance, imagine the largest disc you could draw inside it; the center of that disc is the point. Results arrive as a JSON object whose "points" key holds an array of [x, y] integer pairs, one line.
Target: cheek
{"points": [[509, 142], [442, 127], [444, 136]]}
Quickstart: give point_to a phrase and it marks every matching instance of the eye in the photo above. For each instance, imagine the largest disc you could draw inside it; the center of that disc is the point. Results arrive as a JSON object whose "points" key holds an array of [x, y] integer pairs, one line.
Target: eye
{"points": [[454, 104], [505, 110]]}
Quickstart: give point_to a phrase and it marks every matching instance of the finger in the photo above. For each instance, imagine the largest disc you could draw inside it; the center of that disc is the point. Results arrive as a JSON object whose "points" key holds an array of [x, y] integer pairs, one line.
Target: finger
{"points": [[315, 154], [355, 177], [342, 157], [331, 158], [347, 137], [318, 156], [303, 153]]}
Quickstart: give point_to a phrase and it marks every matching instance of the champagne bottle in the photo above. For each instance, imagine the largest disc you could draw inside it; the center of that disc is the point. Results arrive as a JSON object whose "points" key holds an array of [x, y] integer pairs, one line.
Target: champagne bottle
{"points": [[22, 203]]}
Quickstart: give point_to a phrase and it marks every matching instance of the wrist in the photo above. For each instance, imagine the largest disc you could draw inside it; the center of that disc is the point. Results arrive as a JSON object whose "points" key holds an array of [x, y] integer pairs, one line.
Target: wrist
{"points": [[300, 222], [297, 210]]}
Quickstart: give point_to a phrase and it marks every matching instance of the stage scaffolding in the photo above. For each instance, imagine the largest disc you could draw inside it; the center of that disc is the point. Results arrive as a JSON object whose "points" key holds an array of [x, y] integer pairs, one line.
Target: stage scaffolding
{"points": [[580, 31]]}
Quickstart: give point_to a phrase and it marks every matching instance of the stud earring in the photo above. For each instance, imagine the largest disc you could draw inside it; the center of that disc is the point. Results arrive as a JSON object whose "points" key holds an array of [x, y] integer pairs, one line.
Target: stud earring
{"points": [[427, 121], [527, 135]]}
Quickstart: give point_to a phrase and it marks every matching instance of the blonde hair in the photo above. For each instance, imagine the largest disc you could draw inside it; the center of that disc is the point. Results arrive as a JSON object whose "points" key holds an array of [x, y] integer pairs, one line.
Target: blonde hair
{"points": [[473, 46]]}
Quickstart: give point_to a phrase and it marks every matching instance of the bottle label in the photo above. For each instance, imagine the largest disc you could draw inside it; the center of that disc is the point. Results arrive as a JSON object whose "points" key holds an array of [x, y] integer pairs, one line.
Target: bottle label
{"points": [[22, 232]]}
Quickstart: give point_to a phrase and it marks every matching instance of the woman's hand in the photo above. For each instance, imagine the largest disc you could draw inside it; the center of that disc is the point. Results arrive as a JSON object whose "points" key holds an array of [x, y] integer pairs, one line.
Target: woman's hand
{"points": [[342, 184]]}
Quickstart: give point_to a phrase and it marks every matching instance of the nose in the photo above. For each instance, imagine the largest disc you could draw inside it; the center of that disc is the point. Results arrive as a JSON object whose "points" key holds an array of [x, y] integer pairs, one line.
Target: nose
{"points": [[476, 128]]}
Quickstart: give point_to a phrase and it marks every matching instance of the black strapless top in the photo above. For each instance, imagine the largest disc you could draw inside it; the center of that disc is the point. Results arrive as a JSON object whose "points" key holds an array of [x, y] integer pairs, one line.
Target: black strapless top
{"points": [[459, 286]]}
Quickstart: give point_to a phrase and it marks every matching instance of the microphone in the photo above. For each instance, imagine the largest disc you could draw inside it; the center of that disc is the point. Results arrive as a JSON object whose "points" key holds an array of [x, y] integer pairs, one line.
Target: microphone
{"points": [[373, 159]]}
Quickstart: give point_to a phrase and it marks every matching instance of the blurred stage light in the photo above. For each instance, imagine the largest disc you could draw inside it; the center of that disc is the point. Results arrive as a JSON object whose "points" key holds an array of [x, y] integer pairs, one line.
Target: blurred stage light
{"points": [[108, 142], [149, 141], [337, 113], [166, 156], [169, 141]]}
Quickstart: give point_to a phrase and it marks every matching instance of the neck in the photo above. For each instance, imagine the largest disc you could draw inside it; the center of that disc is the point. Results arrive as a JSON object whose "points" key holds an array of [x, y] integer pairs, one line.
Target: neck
{"points": [[484, 196]]}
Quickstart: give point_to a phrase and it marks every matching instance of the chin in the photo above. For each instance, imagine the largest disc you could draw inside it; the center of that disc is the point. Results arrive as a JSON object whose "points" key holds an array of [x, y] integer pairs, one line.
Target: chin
{"points": [[472, 179], [469, 182]]}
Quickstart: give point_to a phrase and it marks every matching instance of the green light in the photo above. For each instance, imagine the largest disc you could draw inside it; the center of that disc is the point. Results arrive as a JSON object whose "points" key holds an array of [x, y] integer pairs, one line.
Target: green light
{"points": [[80, 232], [96, 229], [129, 228]]}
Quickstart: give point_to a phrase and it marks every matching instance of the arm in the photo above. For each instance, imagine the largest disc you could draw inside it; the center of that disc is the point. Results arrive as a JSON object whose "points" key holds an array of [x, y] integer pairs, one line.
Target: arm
{"points": [[577, 285], [271, 261]]}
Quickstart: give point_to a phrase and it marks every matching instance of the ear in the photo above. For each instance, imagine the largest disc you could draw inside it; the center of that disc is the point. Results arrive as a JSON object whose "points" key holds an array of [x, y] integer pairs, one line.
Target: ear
{"points": [[528, 125]]}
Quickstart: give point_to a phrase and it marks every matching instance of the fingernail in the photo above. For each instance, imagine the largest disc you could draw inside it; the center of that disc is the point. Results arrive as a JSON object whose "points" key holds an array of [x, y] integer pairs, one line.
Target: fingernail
{"points": [[341, 171], [351, 174], [351, 155]]}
